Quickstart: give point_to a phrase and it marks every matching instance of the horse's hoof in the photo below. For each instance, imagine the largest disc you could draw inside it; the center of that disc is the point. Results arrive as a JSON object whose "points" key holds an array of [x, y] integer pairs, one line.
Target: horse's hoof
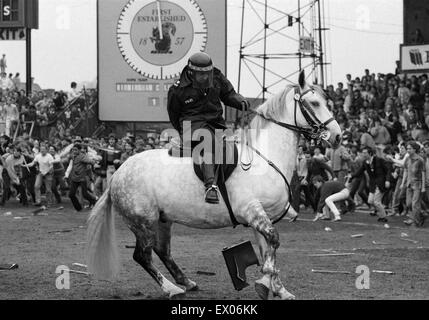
{"points": [[189, 286], [293, 219], [192, 287], [289, 296], [285, 295], [262, 291], [178, 295]]}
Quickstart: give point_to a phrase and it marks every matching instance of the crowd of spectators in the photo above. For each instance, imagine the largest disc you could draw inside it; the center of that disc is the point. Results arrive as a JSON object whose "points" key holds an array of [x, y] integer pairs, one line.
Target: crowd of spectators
{"points": [[383, 159], [384, 156], [39, 133], [47, 114], [31, 166]]}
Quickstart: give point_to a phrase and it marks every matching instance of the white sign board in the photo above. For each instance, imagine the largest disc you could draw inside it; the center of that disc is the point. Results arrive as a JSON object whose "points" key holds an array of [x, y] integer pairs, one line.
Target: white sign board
{"points": [[306, 45], [7, 34], [143, 46], [415, 58]]}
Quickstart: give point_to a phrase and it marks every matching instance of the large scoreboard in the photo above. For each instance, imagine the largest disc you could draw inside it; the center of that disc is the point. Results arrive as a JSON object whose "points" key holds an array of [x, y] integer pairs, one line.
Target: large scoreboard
{"points": [[19, 14], [143, 45]]}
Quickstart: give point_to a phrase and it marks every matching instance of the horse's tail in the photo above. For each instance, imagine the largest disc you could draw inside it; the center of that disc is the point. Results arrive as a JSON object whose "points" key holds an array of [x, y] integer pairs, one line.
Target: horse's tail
{"points": [[102, 251]]}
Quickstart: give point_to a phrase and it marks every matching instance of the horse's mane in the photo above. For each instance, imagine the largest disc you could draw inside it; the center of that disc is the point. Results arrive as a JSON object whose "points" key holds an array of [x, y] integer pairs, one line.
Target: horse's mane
{"points": [[274, 107], [271, 109]]}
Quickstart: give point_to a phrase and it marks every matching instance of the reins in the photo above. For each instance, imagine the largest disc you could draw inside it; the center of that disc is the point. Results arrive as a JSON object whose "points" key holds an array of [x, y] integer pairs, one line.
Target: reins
{"points": [[317, 131]]}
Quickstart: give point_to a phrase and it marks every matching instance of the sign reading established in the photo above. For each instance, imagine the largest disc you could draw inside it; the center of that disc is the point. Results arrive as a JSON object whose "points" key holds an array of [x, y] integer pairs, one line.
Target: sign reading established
{"points": [[415, 58], [12, 34], [143, 47]]}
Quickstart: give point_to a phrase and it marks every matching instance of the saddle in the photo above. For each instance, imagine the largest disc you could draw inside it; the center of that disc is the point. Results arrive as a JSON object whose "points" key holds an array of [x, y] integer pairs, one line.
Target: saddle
{"points": [[224, 171]]}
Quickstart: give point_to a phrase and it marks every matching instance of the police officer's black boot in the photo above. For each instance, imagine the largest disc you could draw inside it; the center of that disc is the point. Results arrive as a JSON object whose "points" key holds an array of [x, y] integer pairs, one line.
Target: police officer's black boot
{"points": [[212, 190]]}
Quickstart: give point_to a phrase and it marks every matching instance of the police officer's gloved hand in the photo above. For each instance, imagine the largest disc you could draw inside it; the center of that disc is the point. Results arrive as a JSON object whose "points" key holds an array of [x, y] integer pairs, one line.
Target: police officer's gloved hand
{"points": [[246, 105]]}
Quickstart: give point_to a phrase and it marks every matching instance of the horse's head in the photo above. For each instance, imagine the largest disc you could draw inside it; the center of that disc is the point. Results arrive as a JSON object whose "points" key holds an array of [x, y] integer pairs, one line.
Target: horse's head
{"points": [[311, 110]]}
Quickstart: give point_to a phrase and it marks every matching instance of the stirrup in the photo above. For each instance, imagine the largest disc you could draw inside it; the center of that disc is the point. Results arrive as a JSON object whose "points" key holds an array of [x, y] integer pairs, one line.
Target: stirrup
{"points": [[213, 187], [214, 201]]}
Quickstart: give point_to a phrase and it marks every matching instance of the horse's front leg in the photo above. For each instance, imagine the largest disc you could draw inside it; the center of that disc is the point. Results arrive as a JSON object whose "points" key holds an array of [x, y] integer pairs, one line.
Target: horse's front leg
{"points": [[268, 240]]}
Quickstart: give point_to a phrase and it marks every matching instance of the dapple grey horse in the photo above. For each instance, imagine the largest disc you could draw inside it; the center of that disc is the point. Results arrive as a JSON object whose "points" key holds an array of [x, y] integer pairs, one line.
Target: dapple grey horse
{"points": [[151, 191]]}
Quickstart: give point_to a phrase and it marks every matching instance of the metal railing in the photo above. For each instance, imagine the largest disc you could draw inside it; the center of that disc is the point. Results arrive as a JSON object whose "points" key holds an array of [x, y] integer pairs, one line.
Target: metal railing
{"points": [[21, 125], [58, 116], [67, 108], [85, 119]]}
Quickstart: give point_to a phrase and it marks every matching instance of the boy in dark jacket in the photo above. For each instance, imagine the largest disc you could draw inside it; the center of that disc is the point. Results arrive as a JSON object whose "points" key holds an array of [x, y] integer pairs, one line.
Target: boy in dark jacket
{"points": [[77, 173], [379, 172]]}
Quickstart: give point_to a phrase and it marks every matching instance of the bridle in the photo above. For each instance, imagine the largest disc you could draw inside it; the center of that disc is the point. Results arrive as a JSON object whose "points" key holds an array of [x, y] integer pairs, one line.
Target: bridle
{"points": [[317, 130]]}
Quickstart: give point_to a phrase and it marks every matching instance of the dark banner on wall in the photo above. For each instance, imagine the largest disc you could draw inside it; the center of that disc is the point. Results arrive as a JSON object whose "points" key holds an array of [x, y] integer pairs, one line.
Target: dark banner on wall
{"points": [[19, 14], [416, 25]]}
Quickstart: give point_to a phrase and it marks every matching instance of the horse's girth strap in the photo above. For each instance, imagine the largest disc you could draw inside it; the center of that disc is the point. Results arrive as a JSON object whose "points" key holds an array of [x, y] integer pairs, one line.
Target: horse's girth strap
{"points": [[273, 165], [224, 193]]}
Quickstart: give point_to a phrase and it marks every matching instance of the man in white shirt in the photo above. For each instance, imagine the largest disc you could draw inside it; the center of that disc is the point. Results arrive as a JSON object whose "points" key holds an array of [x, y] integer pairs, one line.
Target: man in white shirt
{"points": [[3, 81], [45, 162], [404, 93], [399, 194], [14, 164], [73, 94], [17, 81], [6, 83], [426, 195], [11, 114], [348, 99], [3, 64]]}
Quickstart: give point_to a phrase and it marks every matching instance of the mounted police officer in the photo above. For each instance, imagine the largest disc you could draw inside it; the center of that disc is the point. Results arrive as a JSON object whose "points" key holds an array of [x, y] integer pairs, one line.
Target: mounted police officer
{"points": [[197, 98]]}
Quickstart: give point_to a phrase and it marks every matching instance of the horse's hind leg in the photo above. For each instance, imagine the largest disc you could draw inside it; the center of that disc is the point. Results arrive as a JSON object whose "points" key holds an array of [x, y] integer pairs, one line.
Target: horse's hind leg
{"points": [[268, 240], [143, 256], [163, 249]]}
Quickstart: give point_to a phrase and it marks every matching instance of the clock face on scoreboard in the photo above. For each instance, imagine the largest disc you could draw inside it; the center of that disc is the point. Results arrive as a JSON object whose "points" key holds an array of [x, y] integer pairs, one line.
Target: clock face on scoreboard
{"points": [[156, 38]]}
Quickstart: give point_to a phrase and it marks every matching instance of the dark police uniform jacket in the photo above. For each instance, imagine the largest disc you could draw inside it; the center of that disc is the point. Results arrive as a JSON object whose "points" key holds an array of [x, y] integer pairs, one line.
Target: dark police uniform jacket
{"points": [[202, 107]]}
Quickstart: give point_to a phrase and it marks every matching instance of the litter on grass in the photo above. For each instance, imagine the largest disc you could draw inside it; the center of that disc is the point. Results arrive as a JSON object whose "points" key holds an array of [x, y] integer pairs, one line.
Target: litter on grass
{"points": [[10, 266], [79, 272], [382, 271], [331, 254], [409, 240], [61, 231], [206, 273], [380, 243], [330, 271]]}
